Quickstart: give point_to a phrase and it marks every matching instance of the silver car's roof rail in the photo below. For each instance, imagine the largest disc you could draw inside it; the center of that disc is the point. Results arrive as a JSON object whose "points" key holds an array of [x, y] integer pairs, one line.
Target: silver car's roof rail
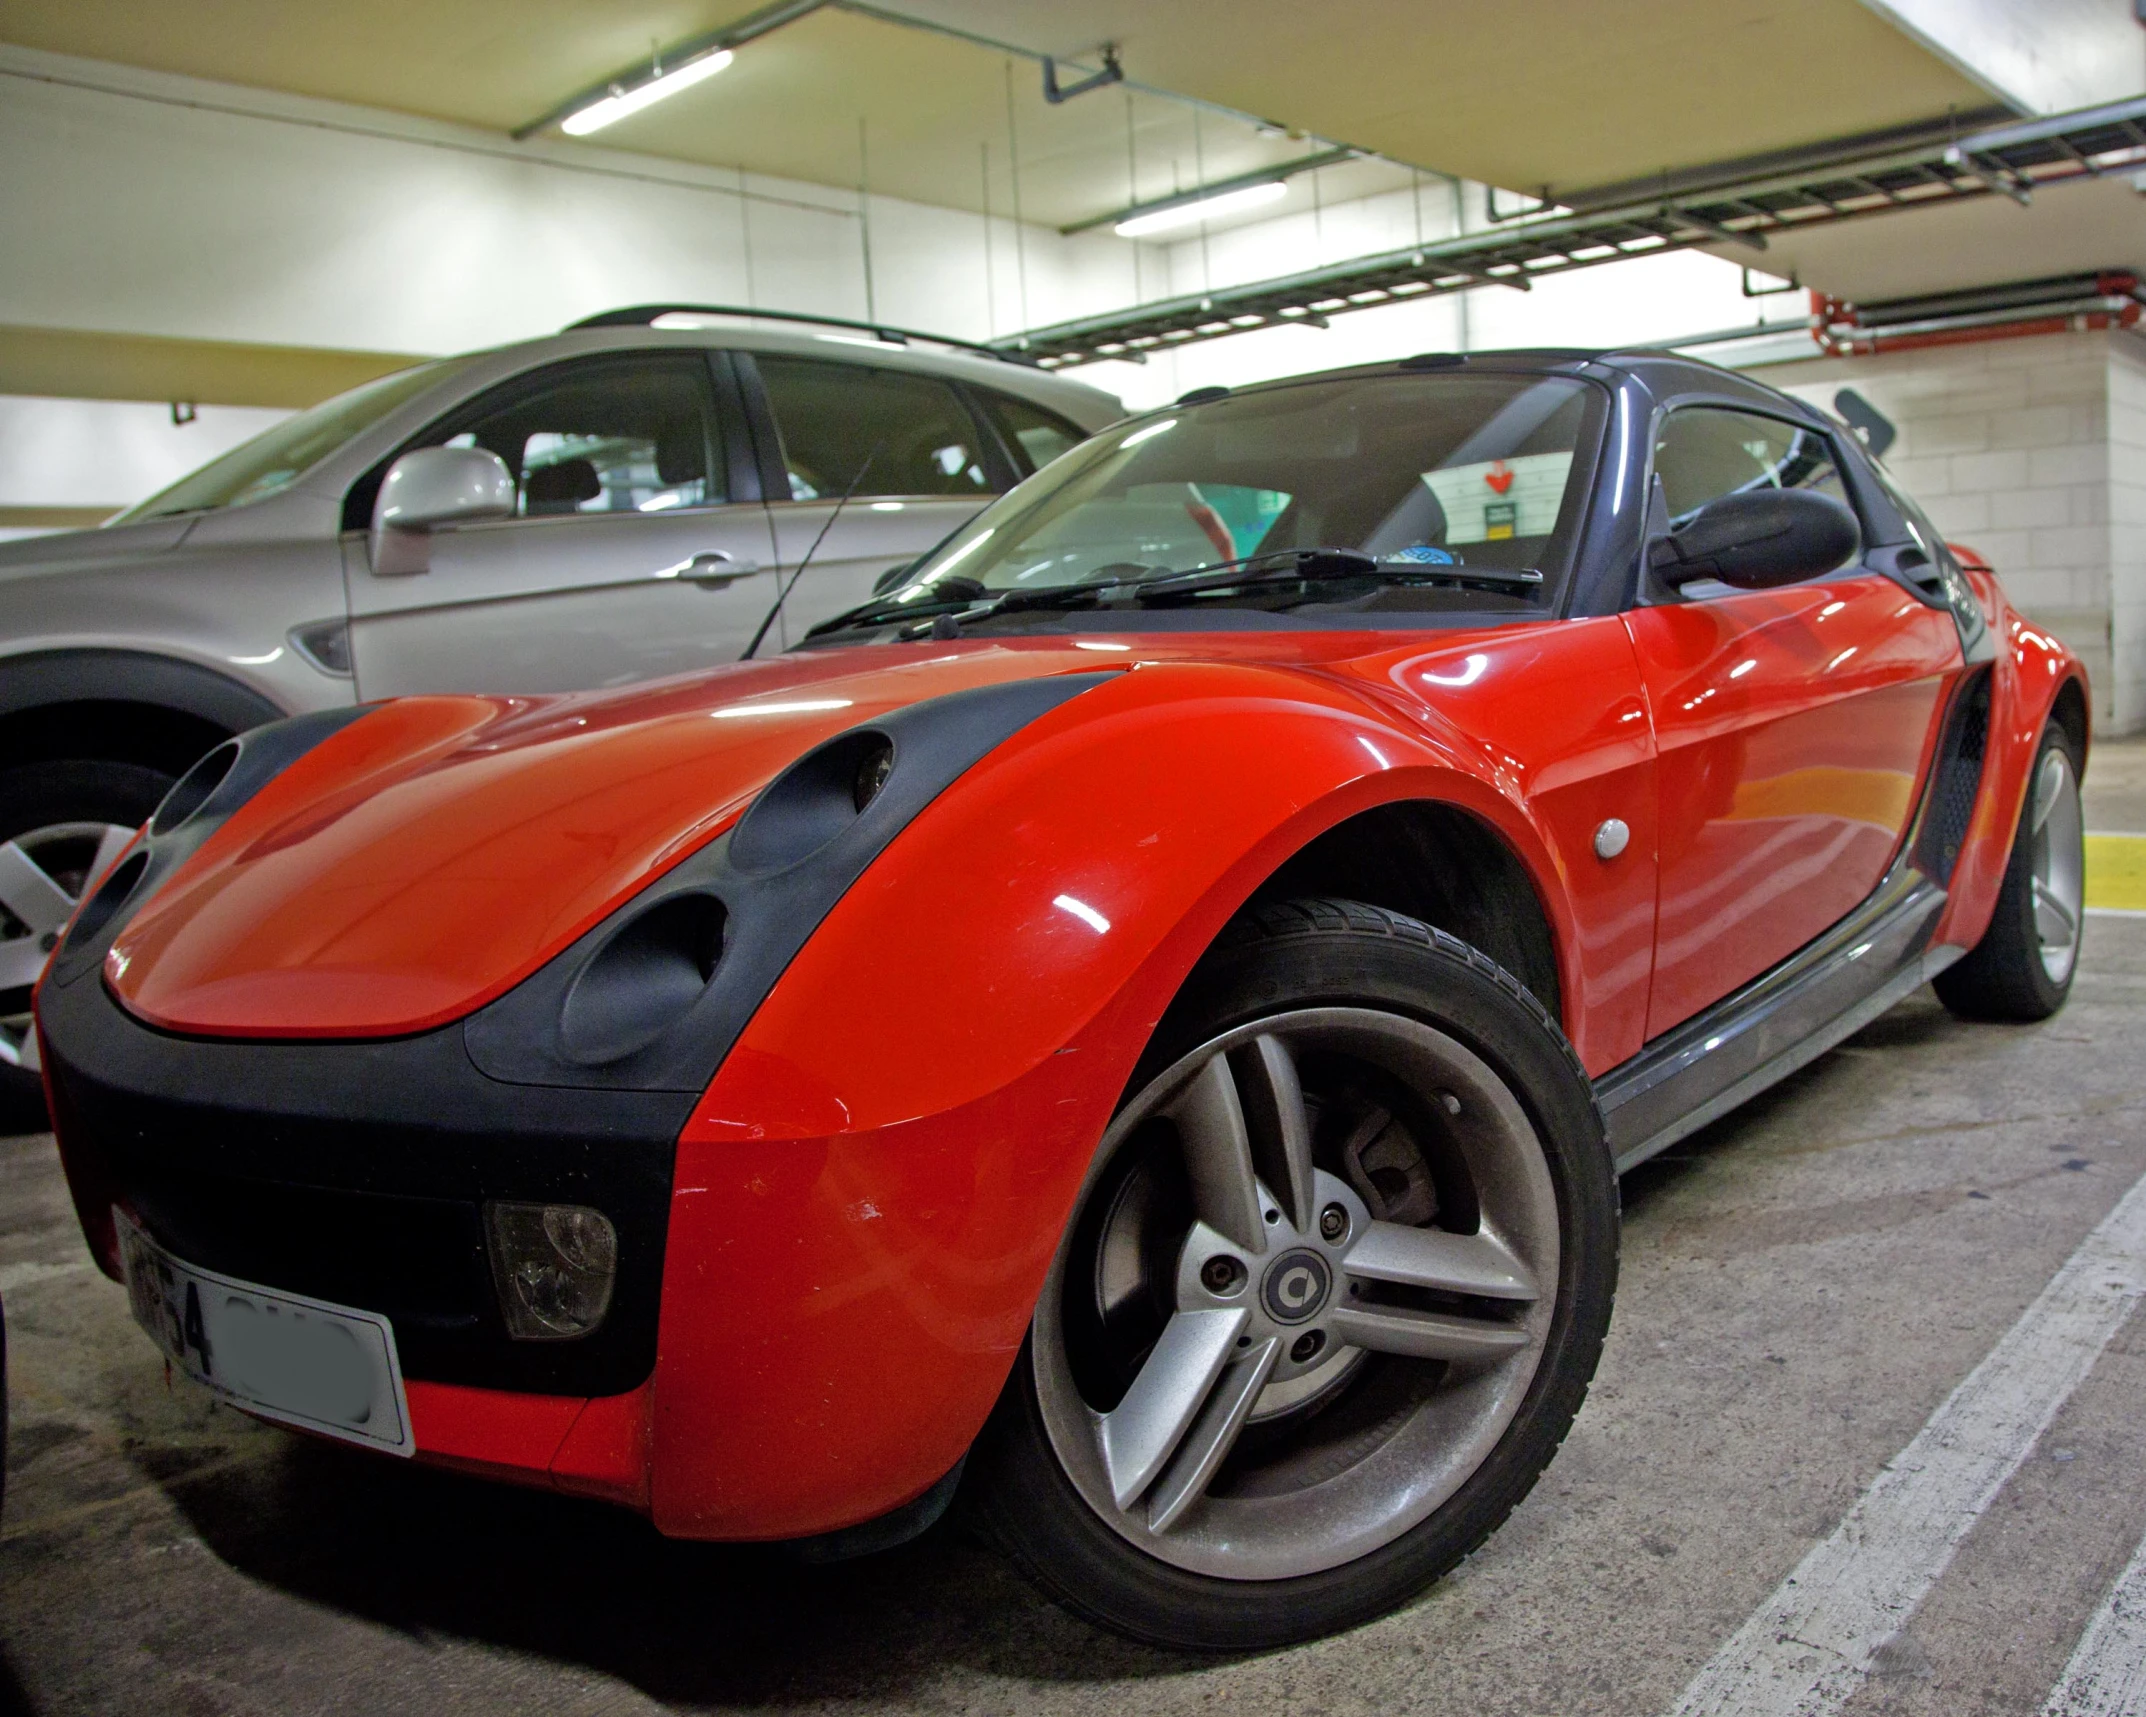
{"points": [[643, 315]]}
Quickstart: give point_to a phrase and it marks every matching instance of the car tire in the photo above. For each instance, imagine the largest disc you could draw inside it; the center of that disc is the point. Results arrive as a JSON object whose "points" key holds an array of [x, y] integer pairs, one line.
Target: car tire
{"points": [[1438, 1098], [2022, 969], [60, 816]]}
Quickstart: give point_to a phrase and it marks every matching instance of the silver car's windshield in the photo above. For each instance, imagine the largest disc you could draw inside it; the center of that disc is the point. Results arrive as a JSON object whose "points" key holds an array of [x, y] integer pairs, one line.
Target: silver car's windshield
{"points": [[1445, 470], [278, 457]]}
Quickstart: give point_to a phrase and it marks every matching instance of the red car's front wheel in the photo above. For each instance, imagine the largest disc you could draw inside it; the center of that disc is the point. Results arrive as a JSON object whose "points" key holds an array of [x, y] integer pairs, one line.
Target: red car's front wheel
{"points": [[1330, 1300]]}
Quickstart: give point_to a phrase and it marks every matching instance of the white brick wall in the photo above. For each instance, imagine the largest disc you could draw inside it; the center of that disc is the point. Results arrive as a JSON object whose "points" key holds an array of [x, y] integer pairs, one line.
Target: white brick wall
{"points": [[2033, 452]]}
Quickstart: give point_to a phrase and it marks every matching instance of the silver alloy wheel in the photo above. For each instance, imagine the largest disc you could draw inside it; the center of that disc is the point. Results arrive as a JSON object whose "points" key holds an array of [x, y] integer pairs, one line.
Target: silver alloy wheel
{"points": [[1323, 1379], [42, 875], [2059, 859]]}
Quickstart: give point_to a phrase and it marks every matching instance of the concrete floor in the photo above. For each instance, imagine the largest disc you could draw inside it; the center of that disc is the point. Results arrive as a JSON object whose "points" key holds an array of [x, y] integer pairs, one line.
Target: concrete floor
{"points": [[1803, 1284]]}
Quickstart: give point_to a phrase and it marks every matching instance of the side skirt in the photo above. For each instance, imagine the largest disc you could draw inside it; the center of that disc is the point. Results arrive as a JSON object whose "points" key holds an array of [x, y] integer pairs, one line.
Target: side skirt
{"points": [[1780, 1021]]}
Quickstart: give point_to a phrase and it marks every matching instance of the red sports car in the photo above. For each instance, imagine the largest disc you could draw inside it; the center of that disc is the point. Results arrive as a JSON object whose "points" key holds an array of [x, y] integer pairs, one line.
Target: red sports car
{"points": [[1139, 1023]]}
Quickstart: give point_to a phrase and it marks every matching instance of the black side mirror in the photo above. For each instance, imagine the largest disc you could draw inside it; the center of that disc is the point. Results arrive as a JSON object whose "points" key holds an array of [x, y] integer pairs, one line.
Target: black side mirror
{"points": [[1758, 539]]}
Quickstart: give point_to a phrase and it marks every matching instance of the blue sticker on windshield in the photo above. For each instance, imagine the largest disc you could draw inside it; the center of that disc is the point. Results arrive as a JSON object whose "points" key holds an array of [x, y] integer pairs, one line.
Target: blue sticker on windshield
{"points": [[1422, 554]]}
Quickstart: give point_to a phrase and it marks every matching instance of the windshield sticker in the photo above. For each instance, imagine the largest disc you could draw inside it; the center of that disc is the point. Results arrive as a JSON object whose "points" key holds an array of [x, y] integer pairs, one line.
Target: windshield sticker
{"points": [[1494, 500], [1422, 554]]}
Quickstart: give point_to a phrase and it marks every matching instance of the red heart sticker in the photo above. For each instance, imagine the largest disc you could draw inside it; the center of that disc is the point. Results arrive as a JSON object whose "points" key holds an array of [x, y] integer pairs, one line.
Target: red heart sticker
{"points": [[1498, 477]]}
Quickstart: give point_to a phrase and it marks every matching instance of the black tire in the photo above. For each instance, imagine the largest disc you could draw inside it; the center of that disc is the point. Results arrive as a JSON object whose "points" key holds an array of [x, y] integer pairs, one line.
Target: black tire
{"points": [[1273, 959], [2006, 975], [36, 796]]}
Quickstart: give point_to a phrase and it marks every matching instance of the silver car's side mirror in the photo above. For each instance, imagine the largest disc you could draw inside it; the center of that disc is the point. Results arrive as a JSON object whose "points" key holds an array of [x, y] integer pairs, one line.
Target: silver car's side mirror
{"points": [[430, 487]]}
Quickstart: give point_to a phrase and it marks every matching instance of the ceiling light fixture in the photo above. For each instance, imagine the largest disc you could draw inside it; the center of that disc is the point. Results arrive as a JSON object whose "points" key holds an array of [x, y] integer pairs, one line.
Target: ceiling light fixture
{"points": [[1175, 215], [610, 109]]}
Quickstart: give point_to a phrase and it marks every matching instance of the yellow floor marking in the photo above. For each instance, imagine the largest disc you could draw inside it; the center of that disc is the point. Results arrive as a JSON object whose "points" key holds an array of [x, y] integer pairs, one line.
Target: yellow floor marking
{"points": [[2116, 872]]}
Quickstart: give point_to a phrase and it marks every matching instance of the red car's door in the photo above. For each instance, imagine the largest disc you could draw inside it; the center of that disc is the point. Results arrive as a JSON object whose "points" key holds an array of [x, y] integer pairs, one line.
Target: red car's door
{"points": [[1793, 727]]}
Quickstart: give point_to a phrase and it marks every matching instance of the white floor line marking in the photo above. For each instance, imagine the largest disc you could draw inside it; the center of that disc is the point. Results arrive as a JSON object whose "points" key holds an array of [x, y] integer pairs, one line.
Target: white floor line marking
{"points": [[2107, 1673], [1809, 1646], [2115, 912]]}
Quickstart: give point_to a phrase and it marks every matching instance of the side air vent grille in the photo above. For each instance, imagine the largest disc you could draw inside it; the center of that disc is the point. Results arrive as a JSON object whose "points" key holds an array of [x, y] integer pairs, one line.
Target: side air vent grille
{"points": [[1958, 780]]}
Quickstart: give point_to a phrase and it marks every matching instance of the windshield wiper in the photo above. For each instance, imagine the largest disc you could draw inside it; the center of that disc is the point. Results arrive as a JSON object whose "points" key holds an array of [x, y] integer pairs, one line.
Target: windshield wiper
{"points": [[947, 593], [957, 593], [955, 602], [1319, 565]]}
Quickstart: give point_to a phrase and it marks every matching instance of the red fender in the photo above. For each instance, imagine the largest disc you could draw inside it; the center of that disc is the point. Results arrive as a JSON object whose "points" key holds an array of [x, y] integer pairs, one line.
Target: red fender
{"points": [[901, 1131]]}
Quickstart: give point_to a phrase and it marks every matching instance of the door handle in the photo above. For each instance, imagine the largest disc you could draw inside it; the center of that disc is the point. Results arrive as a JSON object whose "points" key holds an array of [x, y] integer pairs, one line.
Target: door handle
{"points": [[711, 569]]}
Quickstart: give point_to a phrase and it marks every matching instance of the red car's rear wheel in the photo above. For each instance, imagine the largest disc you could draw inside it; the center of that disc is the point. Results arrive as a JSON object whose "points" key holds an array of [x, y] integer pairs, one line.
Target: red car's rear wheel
{"points": [[2023, 967], [1329, 1301]]}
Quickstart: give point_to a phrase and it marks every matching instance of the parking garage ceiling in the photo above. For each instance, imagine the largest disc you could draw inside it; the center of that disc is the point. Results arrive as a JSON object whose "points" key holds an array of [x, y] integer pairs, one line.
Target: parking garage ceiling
{"points": [[942, 102], [2083, 229], [1524, 93]]}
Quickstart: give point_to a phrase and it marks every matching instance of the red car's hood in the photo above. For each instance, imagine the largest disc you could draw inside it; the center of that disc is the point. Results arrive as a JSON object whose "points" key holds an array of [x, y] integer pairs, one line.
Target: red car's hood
{"points": [[429, 856]]}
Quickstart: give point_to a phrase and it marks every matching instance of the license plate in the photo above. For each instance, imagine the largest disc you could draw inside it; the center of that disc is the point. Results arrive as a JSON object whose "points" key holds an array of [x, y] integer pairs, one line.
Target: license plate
{"points": [[322, 1367]]}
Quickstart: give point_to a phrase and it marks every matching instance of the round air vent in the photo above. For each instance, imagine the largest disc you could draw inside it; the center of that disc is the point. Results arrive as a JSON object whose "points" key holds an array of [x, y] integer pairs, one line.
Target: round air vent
{"points": [[813, 801], [640, 982], [191, 791], [111, 894]]}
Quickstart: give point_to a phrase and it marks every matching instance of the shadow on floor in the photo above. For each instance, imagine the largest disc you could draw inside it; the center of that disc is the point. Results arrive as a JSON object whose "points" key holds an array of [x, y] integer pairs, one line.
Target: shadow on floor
{"points": [[430, 1553]]}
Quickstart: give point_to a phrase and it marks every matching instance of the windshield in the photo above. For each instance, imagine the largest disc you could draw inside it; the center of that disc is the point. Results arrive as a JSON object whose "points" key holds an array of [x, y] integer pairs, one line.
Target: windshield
{"points": [[278, 457], [1421, 473]]}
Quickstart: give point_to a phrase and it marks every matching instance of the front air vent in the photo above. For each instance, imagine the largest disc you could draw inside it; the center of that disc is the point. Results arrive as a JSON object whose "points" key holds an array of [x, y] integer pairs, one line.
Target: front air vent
{"points": [[111, 894], [813, 801], [192, 789], [642, 981], [1957, 782]]}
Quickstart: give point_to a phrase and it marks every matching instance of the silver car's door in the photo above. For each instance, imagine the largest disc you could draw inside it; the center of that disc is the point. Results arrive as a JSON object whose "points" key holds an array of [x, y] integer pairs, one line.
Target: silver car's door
{"points": [[626, 558], [921, 463]]}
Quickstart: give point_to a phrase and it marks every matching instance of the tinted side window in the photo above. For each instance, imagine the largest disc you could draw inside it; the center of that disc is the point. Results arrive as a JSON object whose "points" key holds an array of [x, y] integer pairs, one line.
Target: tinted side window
{"points": [[605, 438], [1034, 436], [1926, 535], [1706, 451], [917, 434]]}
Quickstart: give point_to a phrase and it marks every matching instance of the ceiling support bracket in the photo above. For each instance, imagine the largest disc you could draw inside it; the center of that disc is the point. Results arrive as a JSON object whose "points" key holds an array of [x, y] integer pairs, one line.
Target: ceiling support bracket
{"points": [[1054, 92]]}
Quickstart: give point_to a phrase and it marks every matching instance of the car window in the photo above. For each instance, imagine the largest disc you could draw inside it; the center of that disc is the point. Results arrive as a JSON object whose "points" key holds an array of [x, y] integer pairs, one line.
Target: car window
{"points": [[1473, 471], [1926, 535], [1035, 436], [611, 437], [1705, 452], [833, 417], [276, 458]]}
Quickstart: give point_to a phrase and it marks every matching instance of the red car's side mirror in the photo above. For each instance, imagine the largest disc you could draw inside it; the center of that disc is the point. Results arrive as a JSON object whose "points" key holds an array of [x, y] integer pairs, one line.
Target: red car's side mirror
{"points": [[1758, 539]]}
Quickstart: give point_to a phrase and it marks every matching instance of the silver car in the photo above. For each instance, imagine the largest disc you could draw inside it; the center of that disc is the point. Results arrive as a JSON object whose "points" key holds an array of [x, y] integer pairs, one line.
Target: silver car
{"points": [[619, 501]]}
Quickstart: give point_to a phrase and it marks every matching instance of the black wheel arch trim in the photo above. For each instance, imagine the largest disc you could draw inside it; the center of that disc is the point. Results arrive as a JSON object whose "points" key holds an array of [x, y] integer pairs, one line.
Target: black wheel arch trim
{"points": [[48, 677]]}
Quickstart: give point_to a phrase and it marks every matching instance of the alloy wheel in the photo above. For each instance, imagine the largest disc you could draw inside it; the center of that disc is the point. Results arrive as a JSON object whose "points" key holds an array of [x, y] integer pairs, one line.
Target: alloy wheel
{"points": [[1305, 1295], [43, 874], [2059, 863]]}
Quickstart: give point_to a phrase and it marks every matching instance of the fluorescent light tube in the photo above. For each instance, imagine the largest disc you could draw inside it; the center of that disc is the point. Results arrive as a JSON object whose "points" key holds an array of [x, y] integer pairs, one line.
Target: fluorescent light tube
{"points": [[621, 102], [1204, 209]]}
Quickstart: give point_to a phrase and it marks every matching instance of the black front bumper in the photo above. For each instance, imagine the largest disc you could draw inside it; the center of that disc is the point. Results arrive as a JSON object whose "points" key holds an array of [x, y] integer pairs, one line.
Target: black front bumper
{"points": [[357, 1172]]}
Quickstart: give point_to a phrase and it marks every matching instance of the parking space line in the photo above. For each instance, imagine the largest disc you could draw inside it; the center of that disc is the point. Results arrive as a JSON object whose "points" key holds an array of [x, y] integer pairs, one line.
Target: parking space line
{"points": [[2107, 1673], [1809, 1646]]}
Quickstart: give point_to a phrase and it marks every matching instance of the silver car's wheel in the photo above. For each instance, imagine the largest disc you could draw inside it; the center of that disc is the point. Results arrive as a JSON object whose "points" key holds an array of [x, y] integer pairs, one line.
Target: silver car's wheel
{"points": [[1216, 1441], [2058, 862], [1328, 1299], [43, 873]]}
